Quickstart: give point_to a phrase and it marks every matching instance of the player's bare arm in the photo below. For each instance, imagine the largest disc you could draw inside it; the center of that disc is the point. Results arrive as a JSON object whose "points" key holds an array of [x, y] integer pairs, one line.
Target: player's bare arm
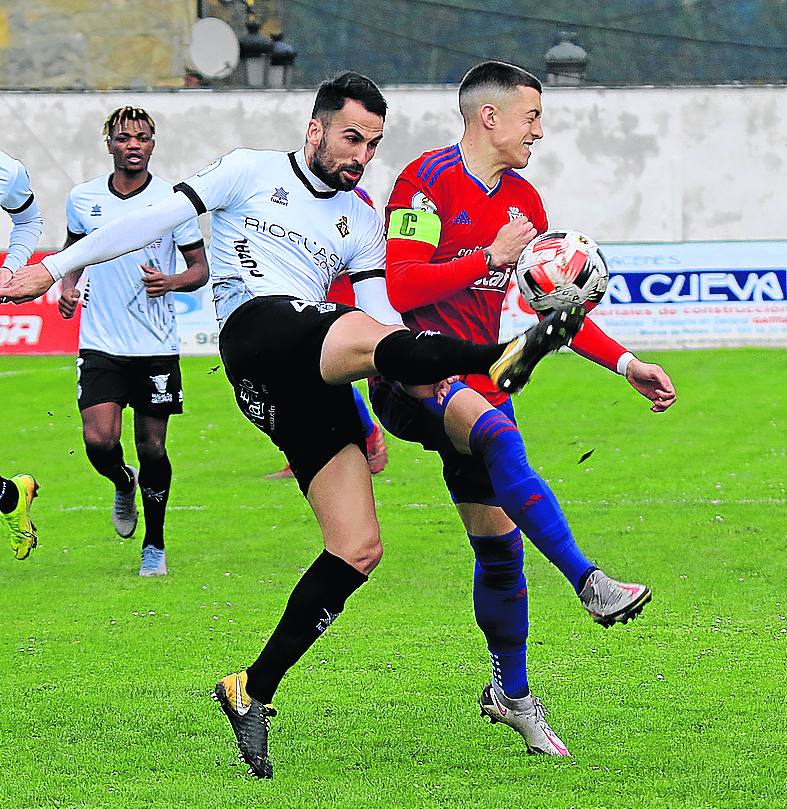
{"points": [[191, 279]]}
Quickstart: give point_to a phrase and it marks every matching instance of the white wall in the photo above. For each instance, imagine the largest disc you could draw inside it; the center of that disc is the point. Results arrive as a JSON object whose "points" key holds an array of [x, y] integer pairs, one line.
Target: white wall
{"points": [[625, 165]]}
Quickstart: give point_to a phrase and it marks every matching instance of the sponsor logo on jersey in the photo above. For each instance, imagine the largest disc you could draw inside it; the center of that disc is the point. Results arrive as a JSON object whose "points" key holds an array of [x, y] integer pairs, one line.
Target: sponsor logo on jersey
{"points": [[420, 202], [95, 210], [462, 218], [514, 213], [319, 255], [496, 281], [280, 196], [244, 254], [343, 227]]}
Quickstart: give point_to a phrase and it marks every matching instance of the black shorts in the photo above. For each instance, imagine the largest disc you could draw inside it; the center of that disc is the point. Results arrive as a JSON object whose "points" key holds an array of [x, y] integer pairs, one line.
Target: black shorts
{"points": [[271, 351], [407, 418], [150, 385]]}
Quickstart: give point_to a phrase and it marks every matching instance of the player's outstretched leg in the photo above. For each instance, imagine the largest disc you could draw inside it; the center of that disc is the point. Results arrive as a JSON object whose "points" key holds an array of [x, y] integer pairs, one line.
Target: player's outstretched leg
{"points": [[16, 495], [512, 371], [250, 722], [527, 716], [531, 504], [610, 602]]}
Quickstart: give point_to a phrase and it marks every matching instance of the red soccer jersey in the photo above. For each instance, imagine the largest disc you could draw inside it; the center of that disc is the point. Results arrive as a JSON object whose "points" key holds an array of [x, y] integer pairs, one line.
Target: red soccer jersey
{"points": [[436, 273]]}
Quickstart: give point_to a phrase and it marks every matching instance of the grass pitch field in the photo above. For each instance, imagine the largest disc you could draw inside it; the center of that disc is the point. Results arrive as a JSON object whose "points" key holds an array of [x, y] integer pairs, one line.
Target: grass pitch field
{"points": [[105, 676]]}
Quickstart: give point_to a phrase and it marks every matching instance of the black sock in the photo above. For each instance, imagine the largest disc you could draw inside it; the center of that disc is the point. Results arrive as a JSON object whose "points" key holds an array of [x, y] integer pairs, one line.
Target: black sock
{"points": [[418, 359], [109, 463], [9, 495], [155, 478], [316, 601]]}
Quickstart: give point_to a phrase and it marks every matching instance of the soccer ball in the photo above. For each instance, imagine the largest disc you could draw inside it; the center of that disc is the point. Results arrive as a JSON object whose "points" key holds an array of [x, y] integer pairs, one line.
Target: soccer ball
{"points": [[560, 268]]}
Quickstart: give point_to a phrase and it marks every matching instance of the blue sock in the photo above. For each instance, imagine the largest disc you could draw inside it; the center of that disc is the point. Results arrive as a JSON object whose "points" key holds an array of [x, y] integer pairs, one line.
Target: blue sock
{"points": [[363, 412], [524, 496], [500, 601]]}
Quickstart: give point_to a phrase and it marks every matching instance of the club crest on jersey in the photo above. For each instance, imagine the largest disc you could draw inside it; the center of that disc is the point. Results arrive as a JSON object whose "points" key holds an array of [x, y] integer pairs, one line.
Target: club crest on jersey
{"points": [[280, 196], [95, 210], [420, 202], [514, 213], [343, 227]]}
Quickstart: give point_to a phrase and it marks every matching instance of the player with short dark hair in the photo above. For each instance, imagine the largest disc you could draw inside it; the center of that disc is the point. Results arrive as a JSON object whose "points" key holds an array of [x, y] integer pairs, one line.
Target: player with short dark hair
{"points": [[283, 226], [18, 201], [458, 219], [128, 339]]}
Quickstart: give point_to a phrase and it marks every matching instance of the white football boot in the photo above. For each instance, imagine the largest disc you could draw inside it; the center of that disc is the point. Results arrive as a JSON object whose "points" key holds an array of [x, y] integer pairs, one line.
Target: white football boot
{"points": [[124, 509], [610, 602], [527, 716]]}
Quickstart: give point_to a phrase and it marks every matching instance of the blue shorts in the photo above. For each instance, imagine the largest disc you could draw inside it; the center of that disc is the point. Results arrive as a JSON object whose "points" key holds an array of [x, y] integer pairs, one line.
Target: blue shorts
{"points": [[421, 421]]}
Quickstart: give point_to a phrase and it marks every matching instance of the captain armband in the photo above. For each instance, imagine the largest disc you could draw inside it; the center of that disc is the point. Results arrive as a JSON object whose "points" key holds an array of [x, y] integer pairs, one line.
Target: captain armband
{"points": [[419, 226]]}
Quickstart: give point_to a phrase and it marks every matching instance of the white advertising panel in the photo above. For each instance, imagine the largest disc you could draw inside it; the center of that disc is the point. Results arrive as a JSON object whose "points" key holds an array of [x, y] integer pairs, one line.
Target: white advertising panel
{"points": [[686, 295]]}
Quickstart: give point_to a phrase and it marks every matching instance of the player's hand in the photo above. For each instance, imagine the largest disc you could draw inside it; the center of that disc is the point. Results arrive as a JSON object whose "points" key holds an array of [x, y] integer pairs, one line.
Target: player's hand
{"points": [[653, 383], [27, 284], [67, 303], [442, 388], [156, 282], [5, 275], [511, 240], [438, 390]]}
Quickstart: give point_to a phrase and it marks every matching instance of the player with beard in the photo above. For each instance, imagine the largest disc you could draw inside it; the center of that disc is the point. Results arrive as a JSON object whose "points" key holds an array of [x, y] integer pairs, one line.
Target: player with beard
{"points": [[18, 201], [458, 219], [128, 339], [283, 227]]}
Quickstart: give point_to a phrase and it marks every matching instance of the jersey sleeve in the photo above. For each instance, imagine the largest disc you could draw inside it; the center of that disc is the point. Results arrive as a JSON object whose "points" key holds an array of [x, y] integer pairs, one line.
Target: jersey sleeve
{"points": [[188, 234], [73, 222], [414, 229], [368, 256], [366, 270], [18, 194], [593, 343], [220, 184]]}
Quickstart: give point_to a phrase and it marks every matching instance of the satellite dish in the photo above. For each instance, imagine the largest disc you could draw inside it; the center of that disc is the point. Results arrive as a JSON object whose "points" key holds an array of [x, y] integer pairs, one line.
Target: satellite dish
{"points": [[214, 50]]}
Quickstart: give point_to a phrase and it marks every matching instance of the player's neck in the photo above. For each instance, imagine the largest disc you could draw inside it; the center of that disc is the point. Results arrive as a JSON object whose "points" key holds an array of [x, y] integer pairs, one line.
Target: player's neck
{"points": [[126, 182], [482, 160]]}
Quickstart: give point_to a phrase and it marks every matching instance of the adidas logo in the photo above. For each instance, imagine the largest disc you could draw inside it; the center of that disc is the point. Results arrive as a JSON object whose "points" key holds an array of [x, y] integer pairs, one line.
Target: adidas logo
{"points": [[462, 218]]}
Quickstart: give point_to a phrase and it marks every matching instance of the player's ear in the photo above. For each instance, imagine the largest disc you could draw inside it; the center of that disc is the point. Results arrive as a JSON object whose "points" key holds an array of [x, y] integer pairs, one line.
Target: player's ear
{"points": [[488, 115], [315, 131]]}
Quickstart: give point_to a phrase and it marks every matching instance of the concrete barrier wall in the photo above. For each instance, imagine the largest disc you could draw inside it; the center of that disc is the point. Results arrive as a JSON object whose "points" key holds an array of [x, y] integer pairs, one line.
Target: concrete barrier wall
{"points": [[625, 165]]}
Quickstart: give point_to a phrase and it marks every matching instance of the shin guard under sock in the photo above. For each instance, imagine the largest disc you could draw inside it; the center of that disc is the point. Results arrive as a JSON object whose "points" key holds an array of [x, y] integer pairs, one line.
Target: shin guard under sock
{"points": [[155, 478], [109, 463], [524, 496], [500, 601], [316, 601]]}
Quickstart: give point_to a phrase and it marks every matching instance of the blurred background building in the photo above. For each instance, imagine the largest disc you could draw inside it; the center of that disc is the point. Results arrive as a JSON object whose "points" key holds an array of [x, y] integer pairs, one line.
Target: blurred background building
{"points": [[103, 44]]}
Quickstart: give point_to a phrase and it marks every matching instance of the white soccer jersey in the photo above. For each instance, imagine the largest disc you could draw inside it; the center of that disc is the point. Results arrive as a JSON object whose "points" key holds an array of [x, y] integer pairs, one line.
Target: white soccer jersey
{"points": [[15, 193], [118, 317], [277, 230]]}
